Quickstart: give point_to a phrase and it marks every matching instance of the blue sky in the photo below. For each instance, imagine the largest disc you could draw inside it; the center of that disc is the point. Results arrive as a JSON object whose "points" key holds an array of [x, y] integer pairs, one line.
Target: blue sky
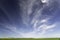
{"points": [[29, 18]]}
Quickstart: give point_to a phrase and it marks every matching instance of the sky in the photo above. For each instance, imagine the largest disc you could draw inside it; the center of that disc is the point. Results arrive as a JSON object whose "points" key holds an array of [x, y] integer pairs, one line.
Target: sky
{"points": [[29, 18]]}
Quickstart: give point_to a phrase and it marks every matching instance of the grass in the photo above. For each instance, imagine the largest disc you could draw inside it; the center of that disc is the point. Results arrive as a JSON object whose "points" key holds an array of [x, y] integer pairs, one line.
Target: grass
{"points": [[29, 38]]}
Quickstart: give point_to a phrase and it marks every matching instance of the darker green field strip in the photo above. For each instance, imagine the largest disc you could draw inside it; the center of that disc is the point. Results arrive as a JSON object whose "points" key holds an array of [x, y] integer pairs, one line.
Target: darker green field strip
{"points": [[29, 38]]}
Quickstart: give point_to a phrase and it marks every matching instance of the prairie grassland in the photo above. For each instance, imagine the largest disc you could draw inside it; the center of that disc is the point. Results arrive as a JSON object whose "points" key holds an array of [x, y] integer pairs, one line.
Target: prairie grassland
{"points": [[29, 38]]}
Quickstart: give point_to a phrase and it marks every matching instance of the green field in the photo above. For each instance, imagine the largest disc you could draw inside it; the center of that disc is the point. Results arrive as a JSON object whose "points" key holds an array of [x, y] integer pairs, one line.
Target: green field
{"points": [[29, 38]]}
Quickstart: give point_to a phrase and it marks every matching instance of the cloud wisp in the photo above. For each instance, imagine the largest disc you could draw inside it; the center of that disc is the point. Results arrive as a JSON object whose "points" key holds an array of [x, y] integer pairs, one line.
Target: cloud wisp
{"points": [[32, 15], [36, 16]]}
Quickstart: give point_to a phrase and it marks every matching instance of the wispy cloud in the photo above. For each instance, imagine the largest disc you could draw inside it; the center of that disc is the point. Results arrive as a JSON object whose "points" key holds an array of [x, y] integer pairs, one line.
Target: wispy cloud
{"points": [[40, 31], [38, 21], [33, 17]]}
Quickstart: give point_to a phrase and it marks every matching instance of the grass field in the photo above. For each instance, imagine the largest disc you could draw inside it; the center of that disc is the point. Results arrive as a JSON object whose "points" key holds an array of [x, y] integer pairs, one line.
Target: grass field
{"points": [[29, 38]]}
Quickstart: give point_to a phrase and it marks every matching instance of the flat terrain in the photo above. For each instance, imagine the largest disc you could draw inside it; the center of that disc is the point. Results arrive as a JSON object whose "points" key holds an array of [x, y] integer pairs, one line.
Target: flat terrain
{"points": [[29, 38]]}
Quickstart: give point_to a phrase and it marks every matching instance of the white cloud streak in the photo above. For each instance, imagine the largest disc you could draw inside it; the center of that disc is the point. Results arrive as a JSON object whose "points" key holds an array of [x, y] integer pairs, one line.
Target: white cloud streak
{"points": [[40, 31], [40, 26]]}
